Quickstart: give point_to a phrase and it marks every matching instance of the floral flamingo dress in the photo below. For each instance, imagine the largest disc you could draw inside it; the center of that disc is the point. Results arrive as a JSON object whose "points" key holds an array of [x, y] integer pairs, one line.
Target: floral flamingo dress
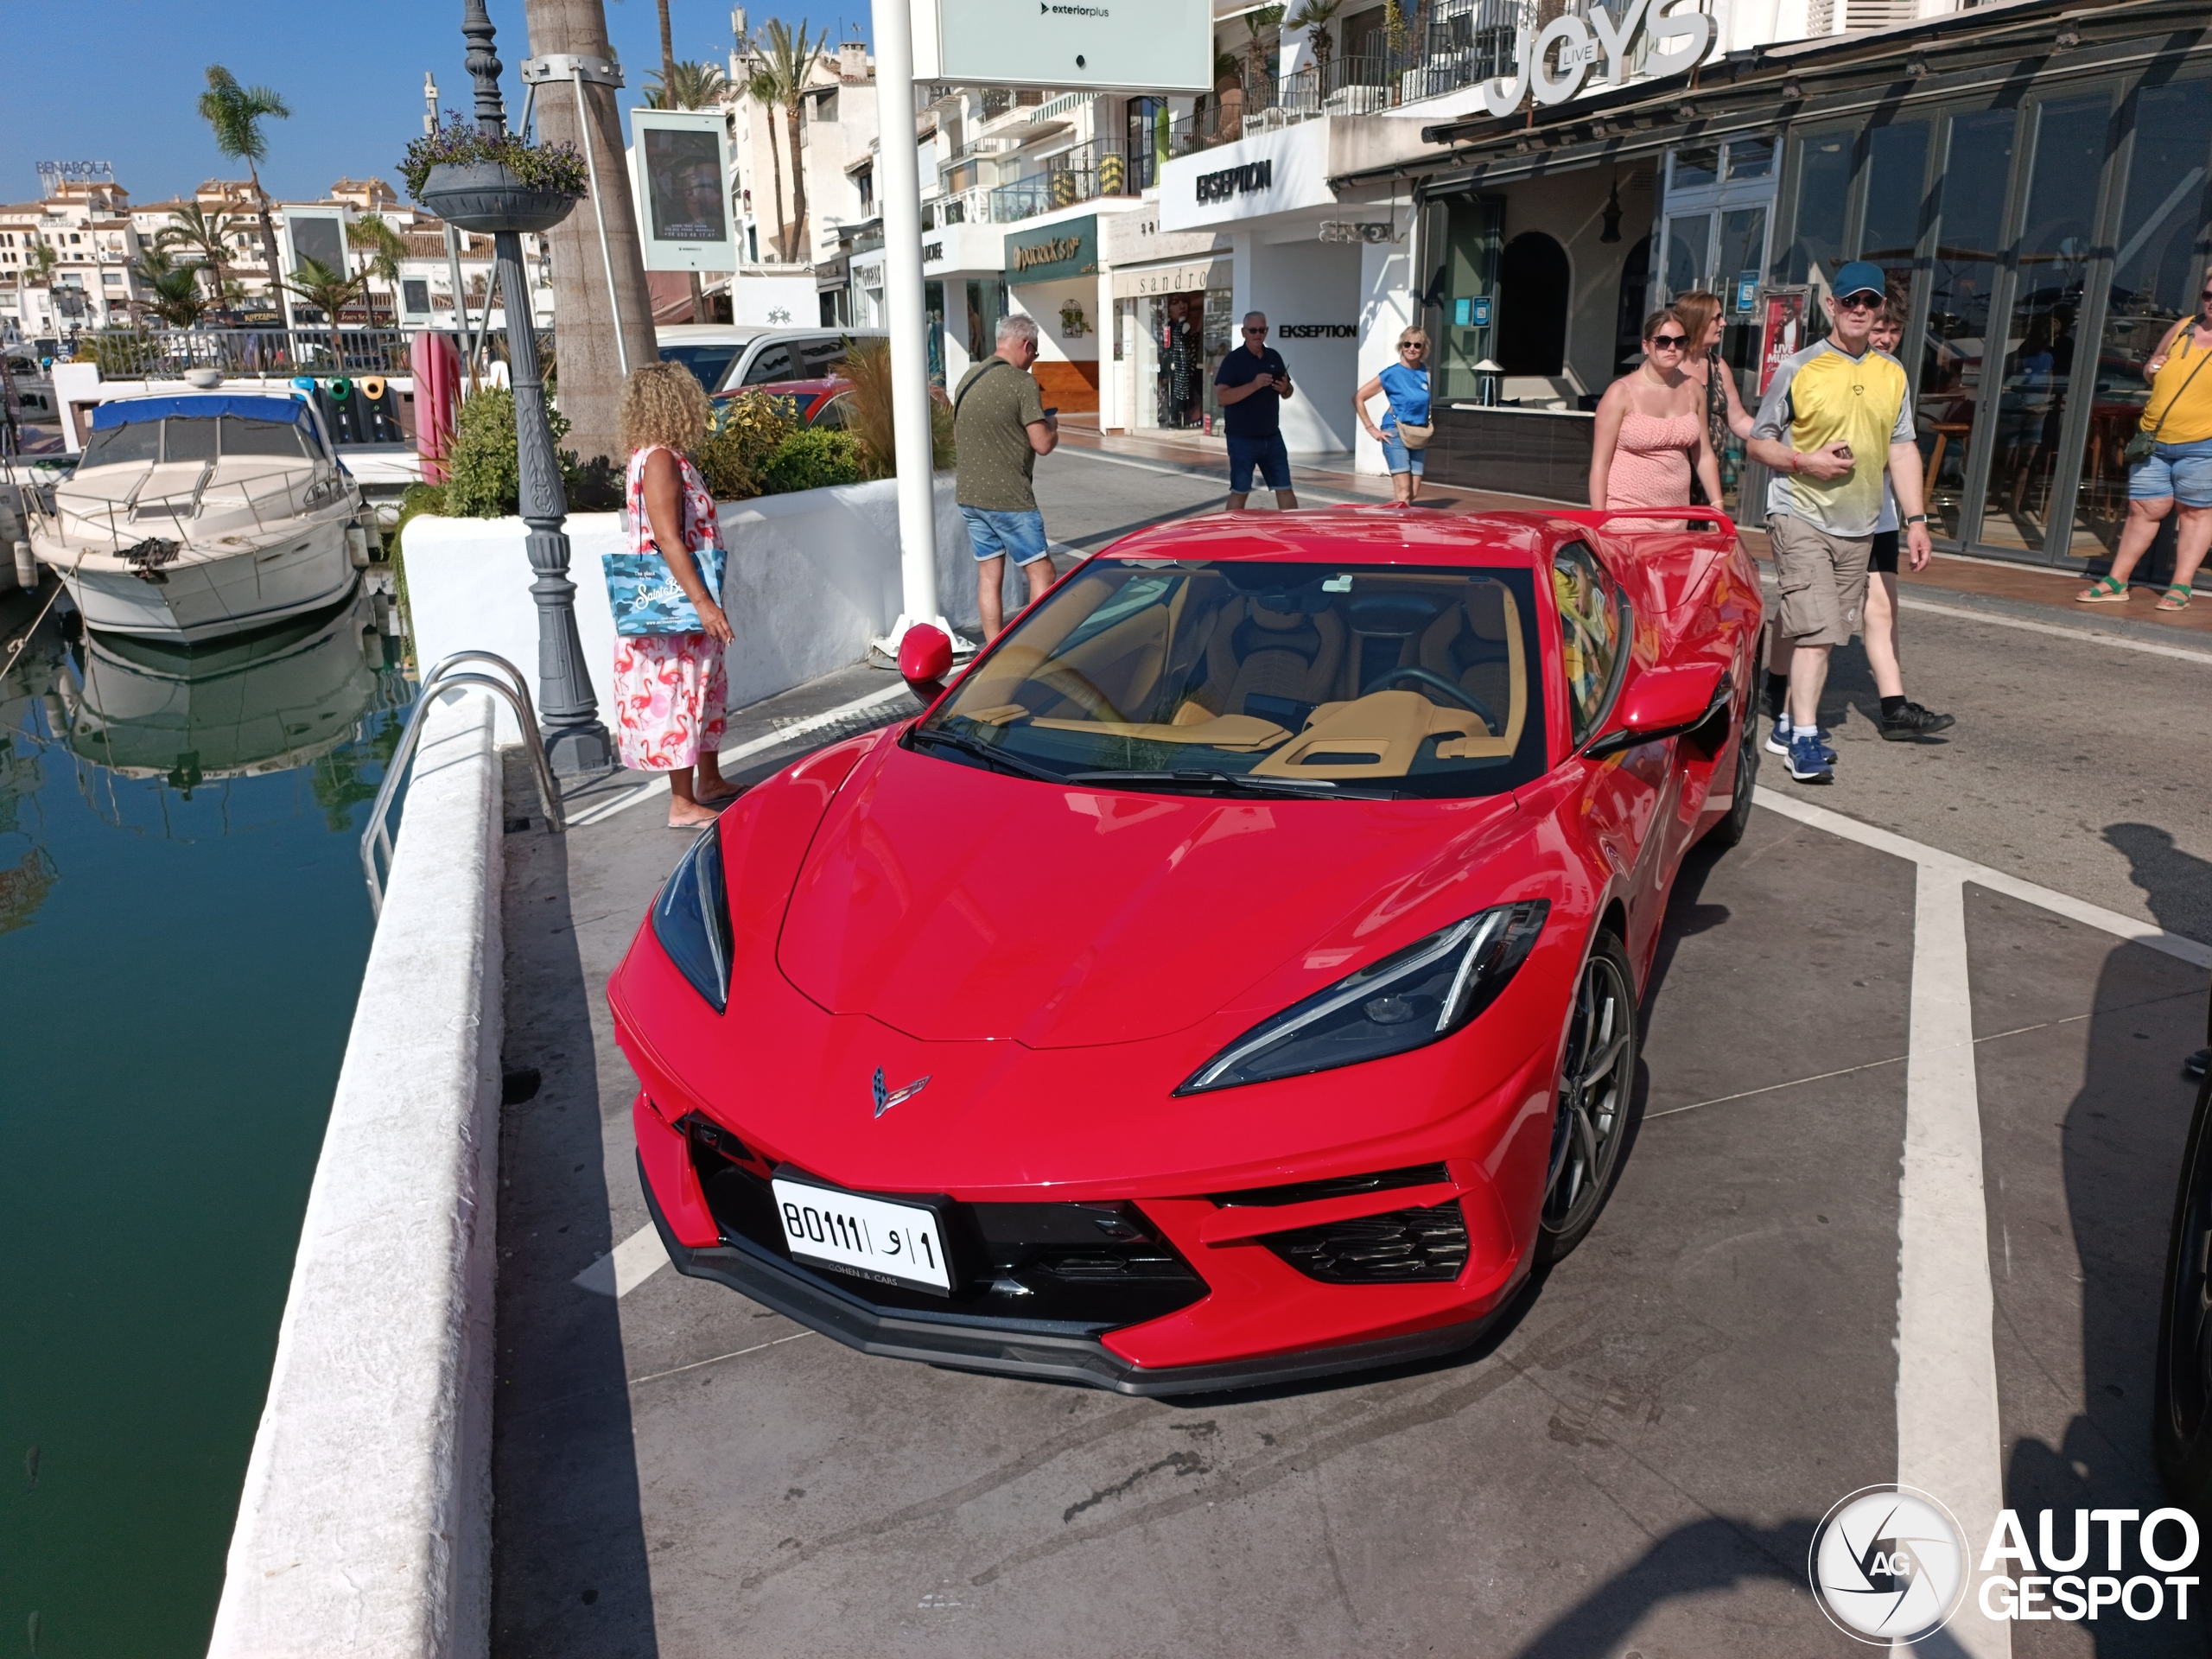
{"points": [[670, 689]]}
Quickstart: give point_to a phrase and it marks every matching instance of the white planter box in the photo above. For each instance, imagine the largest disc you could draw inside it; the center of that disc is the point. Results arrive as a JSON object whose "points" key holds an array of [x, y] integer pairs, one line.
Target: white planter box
{"points": [[812, 578]]}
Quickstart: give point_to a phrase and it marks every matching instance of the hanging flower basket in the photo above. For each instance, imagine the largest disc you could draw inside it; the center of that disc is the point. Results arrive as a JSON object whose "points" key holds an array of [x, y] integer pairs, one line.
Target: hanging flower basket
{"points": [[490, 185], [487, 197]]}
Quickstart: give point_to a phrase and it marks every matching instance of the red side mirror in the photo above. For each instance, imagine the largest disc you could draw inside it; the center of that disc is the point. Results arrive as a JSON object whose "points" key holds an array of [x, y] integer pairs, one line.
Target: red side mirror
{"points": [[925, 658], [1661, 703]]}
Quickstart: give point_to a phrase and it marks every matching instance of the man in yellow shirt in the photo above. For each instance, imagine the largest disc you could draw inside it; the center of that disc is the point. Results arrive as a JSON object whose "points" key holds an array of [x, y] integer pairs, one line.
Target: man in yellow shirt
{"points": [[1836, 415]]}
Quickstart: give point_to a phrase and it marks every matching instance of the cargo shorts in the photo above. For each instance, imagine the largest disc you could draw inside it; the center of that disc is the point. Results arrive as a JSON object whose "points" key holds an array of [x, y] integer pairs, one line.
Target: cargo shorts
{"points": [[1823, 580]]}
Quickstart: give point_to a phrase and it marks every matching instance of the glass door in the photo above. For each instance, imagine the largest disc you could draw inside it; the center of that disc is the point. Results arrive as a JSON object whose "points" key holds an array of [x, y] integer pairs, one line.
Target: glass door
{"points": [[2033, 361], [1961, 310]]}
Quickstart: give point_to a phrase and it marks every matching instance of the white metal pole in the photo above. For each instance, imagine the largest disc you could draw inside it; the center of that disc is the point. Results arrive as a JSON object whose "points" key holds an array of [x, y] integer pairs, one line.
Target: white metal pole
{"points": [[902, 196], [598, 212]]}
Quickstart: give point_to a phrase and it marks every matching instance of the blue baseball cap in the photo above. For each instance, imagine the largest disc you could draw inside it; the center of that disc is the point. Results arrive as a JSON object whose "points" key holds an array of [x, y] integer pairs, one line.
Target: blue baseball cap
{"points": [[1860, 277]]}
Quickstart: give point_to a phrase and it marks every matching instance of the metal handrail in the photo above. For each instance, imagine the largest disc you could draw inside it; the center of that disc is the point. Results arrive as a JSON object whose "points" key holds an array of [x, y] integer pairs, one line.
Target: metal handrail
{"points": [[443, 677]]}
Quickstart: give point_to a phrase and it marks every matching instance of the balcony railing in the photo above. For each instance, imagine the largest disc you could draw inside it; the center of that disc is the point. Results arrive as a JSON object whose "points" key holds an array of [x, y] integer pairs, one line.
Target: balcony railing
{"points": [[165, 353], [1083, 174]]}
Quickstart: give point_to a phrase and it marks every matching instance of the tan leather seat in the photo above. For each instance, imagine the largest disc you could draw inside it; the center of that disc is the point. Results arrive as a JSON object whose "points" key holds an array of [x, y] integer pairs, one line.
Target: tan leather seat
{"points": [[1467, 646], [1291, 656]]}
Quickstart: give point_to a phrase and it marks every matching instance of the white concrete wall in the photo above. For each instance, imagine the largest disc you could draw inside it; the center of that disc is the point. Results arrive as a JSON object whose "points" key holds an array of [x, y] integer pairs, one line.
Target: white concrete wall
{"points": [[365, 1529], [1386, 307], [812, 578], [1308, 281]]}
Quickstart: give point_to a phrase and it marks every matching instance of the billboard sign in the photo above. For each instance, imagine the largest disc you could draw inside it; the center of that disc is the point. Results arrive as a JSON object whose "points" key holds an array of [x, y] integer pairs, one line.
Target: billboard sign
{"points": [[680, 161], [1153, 45], [317, 233]]}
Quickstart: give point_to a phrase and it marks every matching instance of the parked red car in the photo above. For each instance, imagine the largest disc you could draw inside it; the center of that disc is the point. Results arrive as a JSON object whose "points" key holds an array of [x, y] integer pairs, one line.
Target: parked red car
{"points": [[816, 403], [1232, 978]]}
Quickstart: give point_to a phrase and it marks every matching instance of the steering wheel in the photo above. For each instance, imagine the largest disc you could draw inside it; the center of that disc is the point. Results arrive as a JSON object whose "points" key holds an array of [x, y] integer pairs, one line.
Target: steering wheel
{"points": [[1073, 685], [1458, 694]]}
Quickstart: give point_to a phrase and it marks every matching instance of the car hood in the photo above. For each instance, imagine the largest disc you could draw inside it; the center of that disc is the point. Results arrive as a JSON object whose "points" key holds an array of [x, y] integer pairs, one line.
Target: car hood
{"points": [[954, 904]]}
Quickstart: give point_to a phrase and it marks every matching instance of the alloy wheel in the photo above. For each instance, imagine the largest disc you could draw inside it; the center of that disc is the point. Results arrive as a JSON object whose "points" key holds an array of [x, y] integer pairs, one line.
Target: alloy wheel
{"points": [[1594, 1086]]}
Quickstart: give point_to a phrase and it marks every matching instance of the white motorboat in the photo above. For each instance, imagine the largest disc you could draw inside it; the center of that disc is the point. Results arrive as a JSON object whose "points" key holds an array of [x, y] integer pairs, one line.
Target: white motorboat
{"points": [[193, 515]]}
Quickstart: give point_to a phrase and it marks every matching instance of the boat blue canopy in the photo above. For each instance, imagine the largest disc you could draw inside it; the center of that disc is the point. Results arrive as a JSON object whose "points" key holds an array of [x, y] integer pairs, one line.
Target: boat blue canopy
{"points": [[130, 410]]}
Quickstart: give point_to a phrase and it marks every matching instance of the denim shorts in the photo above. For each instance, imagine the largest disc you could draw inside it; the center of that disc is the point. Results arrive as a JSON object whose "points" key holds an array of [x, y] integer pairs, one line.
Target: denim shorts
{"points": [[2182, 471], [995, 535], [1397, 457], [1267, 453]]}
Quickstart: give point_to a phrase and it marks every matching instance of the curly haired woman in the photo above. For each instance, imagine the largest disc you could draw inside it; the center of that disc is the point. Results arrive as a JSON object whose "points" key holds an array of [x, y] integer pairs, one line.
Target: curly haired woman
{"points": [[670, 689]]}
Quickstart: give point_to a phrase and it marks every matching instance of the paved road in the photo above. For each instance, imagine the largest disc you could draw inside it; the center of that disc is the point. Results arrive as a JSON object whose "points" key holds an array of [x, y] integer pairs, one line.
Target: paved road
{"points": [[1635, 1462]]}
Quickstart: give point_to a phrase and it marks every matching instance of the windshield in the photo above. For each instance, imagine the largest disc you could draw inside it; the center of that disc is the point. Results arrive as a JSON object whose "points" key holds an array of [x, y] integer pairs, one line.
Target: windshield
{"points": [[1362, 680], [197, 437], [708, 360]]}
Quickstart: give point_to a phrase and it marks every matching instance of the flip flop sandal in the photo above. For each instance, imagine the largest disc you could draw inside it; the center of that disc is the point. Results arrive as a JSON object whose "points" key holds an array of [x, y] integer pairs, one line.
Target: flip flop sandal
{"points": [[2176, 598], [2103, 591]]}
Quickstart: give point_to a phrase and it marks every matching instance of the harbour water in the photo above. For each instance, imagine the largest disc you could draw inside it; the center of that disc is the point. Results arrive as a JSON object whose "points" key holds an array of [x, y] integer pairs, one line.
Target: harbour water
{"points": [[182, 932]]}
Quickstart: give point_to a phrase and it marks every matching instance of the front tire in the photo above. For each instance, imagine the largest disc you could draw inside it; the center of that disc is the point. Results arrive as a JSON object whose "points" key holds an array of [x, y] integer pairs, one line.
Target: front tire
{"points": [[2181, 1407], [1596, 1078], [1729, 829]]}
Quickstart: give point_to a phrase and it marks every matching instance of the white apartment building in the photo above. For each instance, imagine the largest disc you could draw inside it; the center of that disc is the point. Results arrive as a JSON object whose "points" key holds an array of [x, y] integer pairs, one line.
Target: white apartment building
{"points": [[89, 229]]}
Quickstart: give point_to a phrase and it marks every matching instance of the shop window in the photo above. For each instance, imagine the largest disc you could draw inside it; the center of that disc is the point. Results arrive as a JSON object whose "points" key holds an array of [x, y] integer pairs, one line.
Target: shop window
{"points": [[1823, 202], [1968, 261], [1465, 232], [1750, 158], [933, 313], [1698, 164], [1689, 237], [2153, 283], [1534, 282], [1897, 169]]}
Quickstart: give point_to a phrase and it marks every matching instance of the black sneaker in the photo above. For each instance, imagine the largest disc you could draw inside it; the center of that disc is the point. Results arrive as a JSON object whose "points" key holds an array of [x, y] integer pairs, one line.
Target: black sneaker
{"points": [[1912, 720]]}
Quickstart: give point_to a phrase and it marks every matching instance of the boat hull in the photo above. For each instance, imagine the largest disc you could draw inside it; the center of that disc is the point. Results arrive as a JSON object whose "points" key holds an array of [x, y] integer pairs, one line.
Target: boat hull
{"points": [[207, 593]]}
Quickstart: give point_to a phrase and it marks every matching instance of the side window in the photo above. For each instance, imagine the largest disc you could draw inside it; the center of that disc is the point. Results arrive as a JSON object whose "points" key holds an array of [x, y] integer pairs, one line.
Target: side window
{"points": [[774, 363], [820, 359], [1591, 635]]}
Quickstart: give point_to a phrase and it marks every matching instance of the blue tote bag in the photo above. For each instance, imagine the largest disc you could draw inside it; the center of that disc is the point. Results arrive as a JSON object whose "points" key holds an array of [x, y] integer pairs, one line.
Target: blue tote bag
{"points": [[646, 599]]}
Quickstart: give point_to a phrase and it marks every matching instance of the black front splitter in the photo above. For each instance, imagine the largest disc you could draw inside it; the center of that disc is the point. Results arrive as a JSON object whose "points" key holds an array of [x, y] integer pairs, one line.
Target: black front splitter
{"points": [[1006, 1349]]}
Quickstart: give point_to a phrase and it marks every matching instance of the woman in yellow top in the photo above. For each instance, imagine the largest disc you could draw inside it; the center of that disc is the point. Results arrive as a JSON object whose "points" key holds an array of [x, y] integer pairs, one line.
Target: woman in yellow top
{"points": [[2179, 467]]}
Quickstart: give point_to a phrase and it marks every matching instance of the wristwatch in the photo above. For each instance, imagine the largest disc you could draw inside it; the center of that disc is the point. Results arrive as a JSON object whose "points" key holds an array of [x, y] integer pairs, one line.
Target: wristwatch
{"points": [[1917, 519]]}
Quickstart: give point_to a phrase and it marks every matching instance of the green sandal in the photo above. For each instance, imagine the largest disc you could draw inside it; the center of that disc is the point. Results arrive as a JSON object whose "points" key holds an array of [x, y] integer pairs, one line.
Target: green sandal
{"points": [[2103, 591], [2169, 601]]}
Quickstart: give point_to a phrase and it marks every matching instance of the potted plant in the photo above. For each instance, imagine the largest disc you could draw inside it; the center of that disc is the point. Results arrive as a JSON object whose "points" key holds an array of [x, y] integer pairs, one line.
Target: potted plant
{"points": [[491, 185]]}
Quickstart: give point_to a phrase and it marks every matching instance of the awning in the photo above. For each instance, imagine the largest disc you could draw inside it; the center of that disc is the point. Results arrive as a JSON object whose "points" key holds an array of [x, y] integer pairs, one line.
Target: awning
{"points": [[128, 411], [1189, 277]]}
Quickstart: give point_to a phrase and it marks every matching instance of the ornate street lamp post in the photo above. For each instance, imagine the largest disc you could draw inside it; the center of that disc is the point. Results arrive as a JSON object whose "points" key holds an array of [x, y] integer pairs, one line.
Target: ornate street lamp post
{"points": [[568, 711]]}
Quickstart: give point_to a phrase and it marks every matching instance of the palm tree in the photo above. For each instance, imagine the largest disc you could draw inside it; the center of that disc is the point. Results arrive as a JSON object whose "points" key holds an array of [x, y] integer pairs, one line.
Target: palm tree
{"points": [[330, 292], [790, 65], [761, 88], [1314, 16], [206, 234], [177, 299], [691, 87], [235, 114], [375, 236]]}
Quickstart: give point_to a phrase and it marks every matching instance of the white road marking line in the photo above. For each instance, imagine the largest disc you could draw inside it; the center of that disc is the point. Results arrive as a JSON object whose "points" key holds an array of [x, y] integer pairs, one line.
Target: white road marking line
{"points": [[758, 1347], [2094, 636], [1949, 1438], [1965, 869], [776, 739], [625, 1266]]}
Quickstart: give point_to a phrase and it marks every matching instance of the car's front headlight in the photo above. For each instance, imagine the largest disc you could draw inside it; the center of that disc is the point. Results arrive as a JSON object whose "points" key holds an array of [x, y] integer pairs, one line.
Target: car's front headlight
{"points": [[691, 918], [1411, 998]]}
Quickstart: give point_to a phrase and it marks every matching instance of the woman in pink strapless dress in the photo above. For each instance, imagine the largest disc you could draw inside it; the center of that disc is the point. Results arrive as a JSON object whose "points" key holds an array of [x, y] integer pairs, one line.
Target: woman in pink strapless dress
{"points": [[1651, 430]]}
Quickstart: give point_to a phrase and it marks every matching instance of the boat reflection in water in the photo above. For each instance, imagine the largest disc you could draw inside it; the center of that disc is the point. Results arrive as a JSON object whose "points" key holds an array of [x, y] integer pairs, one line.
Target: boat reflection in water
{"points": [[280, 699]]}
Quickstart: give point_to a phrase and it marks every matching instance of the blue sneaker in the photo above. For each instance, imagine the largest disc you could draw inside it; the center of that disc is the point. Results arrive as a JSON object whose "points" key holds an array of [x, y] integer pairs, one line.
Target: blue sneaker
{"points": [[1809, 763], [1777, 741]]}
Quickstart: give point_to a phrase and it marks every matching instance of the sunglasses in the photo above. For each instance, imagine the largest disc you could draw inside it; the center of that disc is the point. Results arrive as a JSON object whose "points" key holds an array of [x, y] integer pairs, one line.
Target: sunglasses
{"points": [[1670, 342], [1862, 303], [1415, 346], [1255, 331]]}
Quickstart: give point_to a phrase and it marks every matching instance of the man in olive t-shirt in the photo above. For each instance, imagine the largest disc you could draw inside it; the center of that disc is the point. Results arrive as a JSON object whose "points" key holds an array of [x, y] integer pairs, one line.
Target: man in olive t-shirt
{"points": [[999, 428]]}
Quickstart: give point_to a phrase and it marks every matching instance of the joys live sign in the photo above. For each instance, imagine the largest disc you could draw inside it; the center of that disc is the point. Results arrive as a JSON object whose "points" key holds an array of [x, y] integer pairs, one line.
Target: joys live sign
{"points": [[1054, 254], [1551, 62]]}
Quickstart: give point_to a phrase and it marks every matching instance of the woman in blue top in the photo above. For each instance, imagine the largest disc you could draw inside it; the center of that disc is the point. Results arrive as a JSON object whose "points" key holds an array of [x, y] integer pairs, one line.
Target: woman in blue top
{"points": [[1405, 384]]}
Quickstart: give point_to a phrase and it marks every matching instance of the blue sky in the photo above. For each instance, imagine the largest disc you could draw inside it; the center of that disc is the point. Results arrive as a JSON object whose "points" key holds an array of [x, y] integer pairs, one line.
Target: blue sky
{"points": [[117, 80]]}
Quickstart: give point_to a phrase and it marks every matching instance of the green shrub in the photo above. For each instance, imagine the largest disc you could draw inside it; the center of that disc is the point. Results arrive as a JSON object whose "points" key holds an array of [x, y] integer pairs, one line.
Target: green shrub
{"points": [[813, 461], [484, 475], [745, 433]]}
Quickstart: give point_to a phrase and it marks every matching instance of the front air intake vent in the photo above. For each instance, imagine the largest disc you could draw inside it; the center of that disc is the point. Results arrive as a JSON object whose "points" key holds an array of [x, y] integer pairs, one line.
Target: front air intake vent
{"points": [[1417, 1246], [1342, 1186]]}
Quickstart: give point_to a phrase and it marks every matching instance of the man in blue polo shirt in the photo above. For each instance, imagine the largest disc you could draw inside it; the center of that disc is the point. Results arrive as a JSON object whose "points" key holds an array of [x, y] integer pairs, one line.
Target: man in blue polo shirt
{"points": [[1250, 386]]}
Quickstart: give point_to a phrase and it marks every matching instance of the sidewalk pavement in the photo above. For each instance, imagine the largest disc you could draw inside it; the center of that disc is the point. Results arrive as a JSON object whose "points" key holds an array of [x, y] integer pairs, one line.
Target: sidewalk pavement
{"points": [[2035, 592]]}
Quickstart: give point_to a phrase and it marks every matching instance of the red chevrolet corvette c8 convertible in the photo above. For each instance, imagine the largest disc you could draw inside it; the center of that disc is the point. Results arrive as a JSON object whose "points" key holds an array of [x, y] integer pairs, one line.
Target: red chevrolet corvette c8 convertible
{"points": [[1232, 978]]}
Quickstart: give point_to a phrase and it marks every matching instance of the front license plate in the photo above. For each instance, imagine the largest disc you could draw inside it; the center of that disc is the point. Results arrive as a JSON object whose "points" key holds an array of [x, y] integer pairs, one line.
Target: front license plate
{"points": [[894, 1243]]}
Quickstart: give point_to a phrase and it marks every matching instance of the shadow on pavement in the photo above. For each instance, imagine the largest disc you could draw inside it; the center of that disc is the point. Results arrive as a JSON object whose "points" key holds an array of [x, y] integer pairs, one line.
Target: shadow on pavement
{"points": [[569, 1568], [1716, 1554]]}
